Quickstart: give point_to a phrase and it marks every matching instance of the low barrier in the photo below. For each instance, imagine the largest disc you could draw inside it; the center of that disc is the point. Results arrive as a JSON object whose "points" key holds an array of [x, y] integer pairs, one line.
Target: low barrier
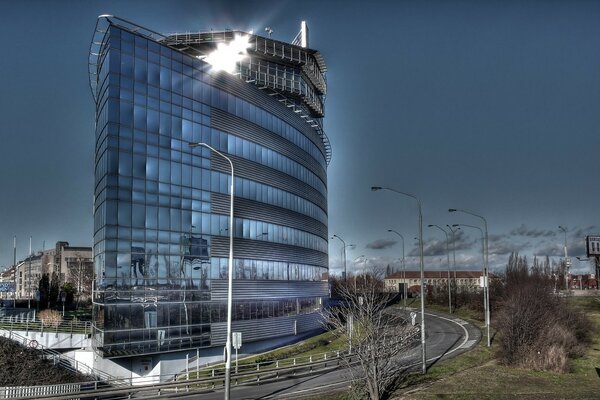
{"points": [[25, 325]]}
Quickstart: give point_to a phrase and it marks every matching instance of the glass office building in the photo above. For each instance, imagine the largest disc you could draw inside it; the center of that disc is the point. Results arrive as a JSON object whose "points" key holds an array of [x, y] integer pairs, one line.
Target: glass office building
{"points": [[161, 207]]}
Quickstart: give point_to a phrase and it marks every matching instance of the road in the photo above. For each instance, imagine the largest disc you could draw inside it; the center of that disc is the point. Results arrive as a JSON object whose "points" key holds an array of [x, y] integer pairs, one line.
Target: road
{"points": [[446, 337]]}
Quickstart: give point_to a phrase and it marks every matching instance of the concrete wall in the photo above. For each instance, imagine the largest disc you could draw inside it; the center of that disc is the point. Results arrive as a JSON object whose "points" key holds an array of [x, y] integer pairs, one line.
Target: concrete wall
{"points": [[55, 340]]}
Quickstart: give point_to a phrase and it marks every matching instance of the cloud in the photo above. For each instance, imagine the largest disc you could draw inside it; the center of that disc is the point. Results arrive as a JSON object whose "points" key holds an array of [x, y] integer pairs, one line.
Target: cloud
{"points": [[497, 237], [434, 248], [580, 233], [381, 244], [552, 250], [438, 247], [503, 247], [523, 230]]}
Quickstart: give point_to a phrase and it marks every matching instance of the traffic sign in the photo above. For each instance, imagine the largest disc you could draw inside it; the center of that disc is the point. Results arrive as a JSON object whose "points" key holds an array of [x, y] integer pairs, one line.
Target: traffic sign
{"points": [[413, 317], [237, 339]]}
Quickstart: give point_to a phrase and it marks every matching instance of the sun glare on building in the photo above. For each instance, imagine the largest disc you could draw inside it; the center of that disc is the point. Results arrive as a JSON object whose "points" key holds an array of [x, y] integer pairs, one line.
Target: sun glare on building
{"points": [[227, 55]]}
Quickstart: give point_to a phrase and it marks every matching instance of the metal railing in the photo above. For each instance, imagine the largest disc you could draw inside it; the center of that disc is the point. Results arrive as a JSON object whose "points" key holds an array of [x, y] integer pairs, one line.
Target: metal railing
{"points": [[73, 326], [63, 361], [211, 378], [215, 379]]}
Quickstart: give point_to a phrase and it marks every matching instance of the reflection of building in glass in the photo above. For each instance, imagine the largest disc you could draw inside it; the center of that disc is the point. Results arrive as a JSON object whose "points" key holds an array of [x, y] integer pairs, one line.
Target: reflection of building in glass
{"points": [[162, 208]]}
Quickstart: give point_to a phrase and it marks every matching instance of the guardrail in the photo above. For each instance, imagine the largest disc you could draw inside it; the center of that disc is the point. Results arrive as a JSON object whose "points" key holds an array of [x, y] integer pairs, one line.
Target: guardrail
{"points": [[66, 326], [197, 384], [211, 378]]}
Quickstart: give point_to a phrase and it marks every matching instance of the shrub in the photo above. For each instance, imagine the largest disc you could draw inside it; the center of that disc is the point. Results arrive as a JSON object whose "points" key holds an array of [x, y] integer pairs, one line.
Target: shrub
{"points": [[50, 318], [537, 329]]}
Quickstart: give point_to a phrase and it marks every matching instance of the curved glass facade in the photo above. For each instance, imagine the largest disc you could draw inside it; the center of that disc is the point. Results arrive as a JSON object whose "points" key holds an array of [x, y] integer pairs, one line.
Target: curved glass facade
{"points": [[161, 208]]}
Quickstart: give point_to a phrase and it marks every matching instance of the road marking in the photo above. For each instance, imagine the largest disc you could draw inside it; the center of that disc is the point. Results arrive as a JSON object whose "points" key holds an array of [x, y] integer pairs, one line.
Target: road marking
{"points": [[468, 344]]}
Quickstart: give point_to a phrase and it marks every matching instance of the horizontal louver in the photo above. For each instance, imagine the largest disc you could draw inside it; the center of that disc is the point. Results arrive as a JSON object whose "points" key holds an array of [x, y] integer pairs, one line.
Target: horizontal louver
{"points": [[268, 176], [266, 328], [264, 290], [244, 129], [244, 248], [264, 212]]}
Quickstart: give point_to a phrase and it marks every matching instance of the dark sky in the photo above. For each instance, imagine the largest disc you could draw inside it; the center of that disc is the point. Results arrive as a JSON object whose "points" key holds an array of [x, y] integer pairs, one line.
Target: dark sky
{"points": [[487, 106]]}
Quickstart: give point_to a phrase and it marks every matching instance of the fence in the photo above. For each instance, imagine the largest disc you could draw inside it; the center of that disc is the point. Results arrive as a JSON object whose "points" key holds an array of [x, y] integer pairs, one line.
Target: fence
{"points": [[72, 326], [63, 361]]}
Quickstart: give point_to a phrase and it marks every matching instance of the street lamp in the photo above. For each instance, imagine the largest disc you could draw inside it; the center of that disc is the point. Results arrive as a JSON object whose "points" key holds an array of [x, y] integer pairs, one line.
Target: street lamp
{"points": [[486, 303], [364, 260], [486, 289], [344, 254], [230, 273], [567, 261], [405, 284], [448, 257], [15, 272], [63, 297], [423, 351], [453, 254], [29, 277]]}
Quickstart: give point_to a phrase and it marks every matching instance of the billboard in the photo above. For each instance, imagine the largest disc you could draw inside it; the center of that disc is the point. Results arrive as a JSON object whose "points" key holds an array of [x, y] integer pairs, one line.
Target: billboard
{"points": [[592, 246], [7, 287]]}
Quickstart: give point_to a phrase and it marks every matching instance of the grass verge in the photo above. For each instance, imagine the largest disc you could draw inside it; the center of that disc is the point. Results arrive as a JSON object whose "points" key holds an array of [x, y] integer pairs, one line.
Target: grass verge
{"points": [[475, 375]]}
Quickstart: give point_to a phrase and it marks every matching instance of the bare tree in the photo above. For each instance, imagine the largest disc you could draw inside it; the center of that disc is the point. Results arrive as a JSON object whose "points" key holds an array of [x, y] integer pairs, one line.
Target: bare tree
{"points": [[376, 335], [81, 275]]}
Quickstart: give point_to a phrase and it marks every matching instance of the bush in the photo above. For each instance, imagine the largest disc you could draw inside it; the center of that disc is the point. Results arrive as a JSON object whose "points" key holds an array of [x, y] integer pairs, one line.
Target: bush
{"points": [[50, 318], [537, 329]]}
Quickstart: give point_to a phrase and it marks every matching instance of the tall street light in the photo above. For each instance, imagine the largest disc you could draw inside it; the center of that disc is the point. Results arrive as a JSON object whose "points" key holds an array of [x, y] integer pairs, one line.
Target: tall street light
{"points": [[362, 258], [453, 253], [448, 258], [423, 351], [486, 303], [567, 261], [15, 272], [230, 273], [344, 254], [405, 284], [29, 277], [486, 289]]}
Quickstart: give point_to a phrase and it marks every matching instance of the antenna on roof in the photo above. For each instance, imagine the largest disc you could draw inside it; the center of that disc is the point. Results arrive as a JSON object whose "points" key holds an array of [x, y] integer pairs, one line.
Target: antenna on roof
{"points": [[301, 38]]}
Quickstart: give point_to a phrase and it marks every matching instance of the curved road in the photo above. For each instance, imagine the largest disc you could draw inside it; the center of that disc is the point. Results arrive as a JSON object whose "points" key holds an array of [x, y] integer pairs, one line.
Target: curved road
{"points": [[446, 337]]}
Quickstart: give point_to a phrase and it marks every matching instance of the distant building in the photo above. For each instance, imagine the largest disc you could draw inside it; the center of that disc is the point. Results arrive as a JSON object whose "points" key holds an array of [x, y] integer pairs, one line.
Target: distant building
{"points": [[64, 263], [583, 281], [7, 278], [71, 262], [464, 280]]}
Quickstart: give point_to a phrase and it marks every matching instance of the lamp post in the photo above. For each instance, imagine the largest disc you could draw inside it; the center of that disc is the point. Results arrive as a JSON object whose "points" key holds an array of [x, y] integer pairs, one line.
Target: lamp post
{"points": [[29, 277], [453, 254], [485, 282], [405, 284], [486, 289], [448, 258], [63, 297], [567, 261], [423, 351], [229, 275], [344, 254], [364, 260], [15, 272]]}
